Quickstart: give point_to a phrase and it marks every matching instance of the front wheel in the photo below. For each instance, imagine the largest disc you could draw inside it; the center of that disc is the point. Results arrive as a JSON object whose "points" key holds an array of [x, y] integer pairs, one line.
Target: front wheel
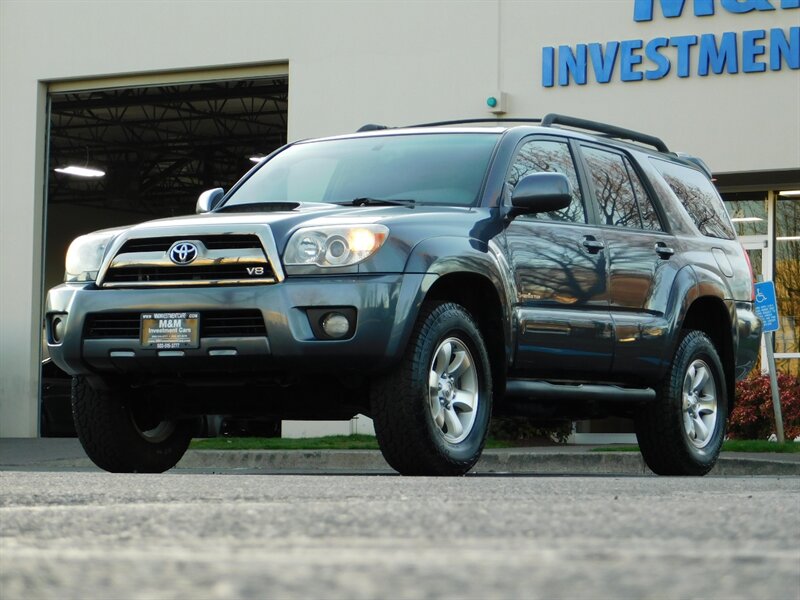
{"points": [[681, 433], [432, 413], [123, 434]]}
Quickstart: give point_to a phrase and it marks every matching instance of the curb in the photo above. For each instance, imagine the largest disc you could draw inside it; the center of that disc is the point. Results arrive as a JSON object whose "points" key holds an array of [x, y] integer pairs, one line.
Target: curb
{"points": [[492, 462], [500, 462]]}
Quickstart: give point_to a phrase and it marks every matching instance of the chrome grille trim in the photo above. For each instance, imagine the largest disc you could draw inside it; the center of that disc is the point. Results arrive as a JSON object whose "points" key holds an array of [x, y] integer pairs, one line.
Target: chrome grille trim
{"points": [[207, 259], [190, 282], [221, 251]]}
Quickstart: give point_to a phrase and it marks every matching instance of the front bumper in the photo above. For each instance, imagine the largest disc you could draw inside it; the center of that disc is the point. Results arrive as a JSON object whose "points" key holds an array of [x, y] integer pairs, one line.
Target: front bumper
{"points": [[386, 308]]}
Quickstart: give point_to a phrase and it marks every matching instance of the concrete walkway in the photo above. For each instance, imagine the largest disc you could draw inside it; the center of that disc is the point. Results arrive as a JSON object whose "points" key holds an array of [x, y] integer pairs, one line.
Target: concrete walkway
{"points": [[67, 453]]}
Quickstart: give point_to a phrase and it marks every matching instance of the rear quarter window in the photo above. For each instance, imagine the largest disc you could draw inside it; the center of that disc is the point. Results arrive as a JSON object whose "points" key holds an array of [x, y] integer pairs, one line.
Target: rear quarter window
{"points": [[699, 197]]}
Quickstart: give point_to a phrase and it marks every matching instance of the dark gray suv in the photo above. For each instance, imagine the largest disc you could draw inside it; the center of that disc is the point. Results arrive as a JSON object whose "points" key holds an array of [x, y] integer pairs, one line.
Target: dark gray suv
{"points": [[428, 277]]}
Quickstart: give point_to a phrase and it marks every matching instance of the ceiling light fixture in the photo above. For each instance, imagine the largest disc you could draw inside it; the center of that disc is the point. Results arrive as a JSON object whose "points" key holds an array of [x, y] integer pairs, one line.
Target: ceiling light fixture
{"points": [[84, 171], [80, 171], [746, 219], [790, 193], [257, 158]]}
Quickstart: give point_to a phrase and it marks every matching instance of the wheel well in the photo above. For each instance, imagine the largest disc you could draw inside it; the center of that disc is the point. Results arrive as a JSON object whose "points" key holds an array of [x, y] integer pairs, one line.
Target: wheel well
{"points": [[710, 316], [478, 295]]}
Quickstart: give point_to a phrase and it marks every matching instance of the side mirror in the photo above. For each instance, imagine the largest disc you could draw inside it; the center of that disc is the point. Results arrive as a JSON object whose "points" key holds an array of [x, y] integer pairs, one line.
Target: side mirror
{"points": [[208, 200], [540, 192]]}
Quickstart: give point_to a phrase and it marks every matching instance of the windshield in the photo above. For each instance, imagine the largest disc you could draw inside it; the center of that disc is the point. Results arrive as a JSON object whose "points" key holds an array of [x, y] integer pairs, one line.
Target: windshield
{"points": [[435, 168]]}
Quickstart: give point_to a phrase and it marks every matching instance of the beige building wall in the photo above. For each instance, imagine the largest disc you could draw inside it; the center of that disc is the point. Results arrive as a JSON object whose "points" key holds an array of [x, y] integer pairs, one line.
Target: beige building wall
{"points": [[349, 63]]}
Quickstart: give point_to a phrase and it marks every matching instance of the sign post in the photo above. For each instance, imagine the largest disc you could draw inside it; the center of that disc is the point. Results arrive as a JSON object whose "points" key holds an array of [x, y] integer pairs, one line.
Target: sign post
{"points": [[766, 308]]}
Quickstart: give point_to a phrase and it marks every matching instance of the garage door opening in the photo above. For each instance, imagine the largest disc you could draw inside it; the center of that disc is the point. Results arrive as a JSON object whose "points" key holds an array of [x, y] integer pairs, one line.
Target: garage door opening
{"points": [[157, 147]]}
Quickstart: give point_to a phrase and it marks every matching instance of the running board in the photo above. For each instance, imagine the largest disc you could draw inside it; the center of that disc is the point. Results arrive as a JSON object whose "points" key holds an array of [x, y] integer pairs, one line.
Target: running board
{"points": [[537, 390]]}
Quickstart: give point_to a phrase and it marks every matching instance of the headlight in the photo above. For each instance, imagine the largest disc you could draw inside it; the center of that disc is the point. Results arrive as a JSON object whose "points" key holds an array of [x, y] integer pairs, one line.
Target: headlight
{"points": [[85, 255], [331, 246]]}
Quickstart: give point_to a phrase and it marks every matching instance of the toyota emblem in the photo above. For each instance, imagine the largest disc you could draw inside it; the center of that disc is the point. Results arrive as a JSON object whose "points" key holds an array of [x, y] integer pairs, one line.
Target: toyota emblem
{"points": [[183, 253]]}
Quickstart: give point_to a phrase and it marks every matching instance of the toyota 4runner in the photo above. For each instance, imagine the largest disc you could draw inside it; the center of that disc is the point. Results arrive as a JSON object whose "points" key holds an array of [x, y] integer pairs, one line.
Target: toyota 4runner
{"points": [[427, 277]]}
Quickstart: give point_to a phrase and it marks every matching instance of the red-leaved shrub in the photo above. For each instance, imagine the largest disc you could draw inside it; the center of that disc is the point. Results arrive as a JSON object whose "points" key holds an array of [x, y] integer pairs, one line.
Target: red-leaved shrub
{"points": [[754, 419]]}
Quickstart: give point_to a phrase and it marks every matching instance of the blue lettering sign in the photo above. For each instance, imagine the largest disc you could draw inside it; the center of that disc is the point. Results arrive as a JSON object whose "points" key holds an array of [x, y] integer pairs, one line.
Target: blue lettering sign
{"points": [[684, 45], [548, 58], [643, 9], [603, 62], [572, 62], [745, 6], [751, 49], [781, 49], [662, 62], [716, 57]]}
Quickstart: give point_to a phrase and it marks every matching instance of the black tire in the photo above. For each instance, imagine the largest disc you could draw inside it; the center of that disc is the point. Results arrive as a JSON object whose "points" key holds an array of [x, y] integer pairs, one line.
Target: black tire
{"points": [[661, 427], [112, 436], [411, 440]]}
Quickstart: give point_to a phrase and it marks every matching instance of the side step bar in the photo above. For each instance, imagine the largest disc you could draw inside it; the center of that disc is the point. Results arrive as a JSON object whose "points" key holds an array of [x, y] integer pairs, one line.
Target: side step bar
{"points": [[537, 390]]}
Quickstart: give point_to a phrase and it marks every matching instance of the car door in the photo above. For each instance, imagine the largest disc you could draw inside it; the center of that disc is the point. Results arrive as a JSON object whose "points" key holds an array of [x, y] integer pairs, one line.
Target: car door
{"points": [[564, 329], [642, 265]]}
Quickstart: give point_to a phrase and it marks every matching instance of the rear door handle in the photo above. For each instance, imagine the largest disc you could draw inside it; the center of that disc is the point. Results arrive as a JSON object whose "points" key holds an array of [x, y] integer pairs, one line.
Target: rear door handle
{"points": [[592, 244], [663, 250]]}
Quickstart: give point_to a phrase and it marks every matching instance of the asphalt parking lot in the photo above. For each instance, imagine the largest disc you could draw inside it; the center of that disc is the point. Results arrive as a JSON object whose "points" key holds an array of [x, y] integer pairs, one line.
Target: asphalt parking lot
{"points": [[80, 534]]}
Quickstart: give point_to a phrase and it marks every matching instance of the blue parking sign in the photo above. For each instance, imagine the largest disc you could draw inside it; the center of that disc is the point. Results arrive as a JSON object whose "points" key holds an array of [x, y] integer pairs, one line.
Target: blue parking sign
{"points": [[766, 306]]}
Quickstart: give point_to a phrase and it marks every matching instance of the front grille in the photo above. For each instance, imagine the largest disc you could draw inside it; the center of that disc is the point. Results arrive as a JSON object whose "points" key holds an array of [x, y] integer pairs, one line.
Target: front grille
{"points": [[212, 242], [222, 259], [213, 323], [205, 273]]}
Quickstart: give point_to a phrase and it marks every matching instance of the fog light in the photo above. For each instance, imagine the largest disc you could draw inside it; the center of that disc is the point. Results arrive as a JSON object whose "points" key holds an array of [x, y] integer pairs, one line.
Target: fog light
{"points": [[335, 325], [58, 329]]}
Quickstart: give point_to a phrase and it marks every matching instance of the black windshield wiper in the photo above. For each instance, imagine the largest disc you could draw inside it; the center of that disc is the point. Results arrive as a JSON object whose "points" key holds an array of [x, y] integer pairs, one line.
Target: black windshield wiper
{"points": [[379, 202]]}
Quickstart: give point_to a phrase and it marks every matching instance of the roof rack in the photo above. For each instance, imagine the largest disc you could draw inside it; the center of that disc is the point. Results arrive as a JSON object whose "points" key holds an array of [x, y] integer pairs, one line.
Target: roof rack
{"points": [[609, 130], [548, 121]]}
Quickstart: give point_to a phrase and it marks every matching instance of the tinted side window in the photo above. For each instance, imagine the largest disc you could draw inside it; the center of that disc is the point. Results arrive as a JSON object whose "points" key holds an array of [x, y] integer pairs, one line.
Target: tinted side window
{"points": [[699, 198], [646, 208], [612, 188], [551, 156]]}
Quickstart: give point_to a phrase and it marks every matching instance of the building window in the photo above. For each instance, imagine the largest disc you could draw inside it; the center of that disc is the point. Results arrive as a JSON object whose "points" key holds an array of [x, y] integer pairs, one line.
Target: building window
{"points": [[787, 282]]}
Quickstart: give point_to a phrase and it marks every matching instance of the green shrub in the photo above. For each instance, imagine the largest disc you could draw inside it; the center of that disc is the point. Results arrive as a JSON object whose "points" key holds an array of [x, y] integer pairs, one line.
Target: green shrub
{"points": [[754, 419], [521, 429]]}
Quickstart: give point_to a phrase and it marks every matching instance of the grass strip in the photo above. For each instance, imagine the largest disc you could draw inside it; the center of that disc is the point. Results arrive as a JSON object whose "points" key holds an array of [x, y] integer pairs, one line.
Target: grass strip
{"points": [[727, 446]]}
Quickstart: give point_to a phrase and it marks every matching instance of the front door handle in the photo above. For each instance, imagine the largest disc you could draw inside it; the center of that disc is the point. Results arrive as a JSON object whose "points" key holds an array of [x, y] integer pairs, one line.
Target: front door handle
{"points": [[663, 250], [592, 244]]}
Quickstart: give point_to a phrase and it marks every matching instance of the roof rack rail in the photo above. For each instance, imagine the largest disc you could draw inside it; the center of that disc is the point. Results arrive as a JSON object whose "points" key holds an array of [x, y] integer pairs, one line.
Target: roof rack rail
{"points": [[609, 130], [467, 121]]}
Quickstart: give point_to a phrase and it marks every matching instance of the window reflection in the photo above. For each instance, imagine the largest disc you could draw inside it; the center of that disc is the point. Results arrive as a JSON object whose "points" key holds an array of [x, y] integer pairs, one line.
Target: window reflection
{"points": [[554, 157], [612, 188], [787, 275], [699, 198]]}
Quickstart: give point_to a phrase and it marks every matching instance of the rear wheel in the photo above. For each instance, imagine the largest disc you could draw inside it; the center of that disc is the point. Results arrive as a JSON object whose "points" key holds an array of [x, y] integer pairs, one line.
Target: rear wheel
{"points": [[682, 432], [432, 413], [123, 434]]}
